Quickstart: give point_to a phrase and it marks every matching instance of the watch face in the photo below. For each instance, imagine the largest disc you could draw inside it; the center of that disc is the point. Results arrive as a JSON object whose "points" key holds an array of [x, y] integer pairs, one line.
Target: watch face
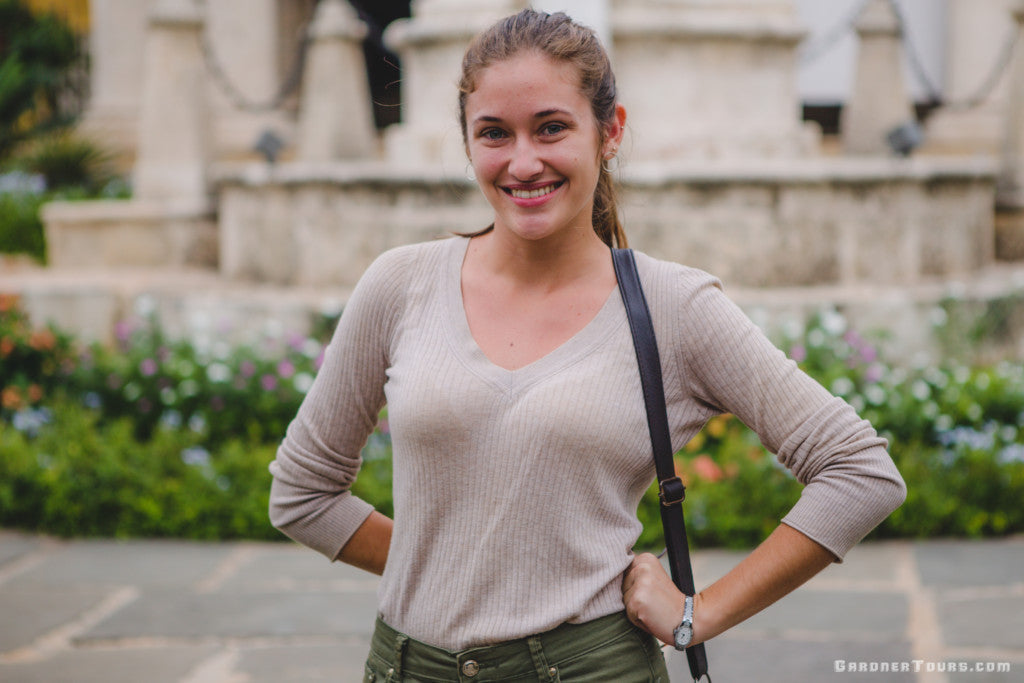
{"points": [[683, 634]]}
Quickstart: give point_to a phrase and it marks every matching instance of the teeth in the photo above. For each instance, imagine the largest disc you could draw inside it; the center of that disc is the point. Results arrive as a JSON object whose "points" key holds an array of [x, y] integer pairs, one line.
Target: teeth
{"points": [[533, 194]]}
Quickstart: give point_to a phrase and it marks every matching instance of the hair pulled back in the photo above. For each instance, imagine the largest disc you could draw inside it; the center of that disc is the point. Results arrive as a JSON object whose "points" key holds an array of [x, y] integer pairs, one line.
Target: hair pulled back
{"points": [[560, 38]]}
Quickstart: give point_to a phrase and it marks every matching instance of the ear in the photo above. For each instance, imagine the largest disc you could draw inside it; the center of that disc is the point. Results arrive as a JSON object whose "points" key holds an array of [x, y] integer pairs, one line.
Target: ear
{"points": [[614, 131]]}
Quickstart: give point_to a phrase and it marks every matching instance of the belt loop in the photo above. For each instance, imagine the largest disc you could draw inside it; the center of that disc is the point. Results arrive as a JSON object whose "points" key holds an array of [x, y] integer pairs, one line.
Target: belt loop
{"points": [[400, 642], [544, 671]]}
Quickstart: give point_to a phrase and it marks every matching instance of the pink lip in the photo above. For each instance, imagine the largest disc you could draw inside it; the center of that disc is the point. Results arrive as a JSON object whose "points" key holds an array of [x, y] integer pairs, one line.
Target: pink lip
{"points": [[528, 202]]}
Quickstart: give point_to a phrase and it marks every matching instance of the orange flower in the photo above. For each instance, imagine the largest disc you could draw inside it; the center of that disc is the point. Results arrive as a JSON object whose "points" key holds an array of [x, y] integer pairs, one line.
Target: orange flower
{"points": [[42, 340], [706, 468], [6, 346], [8, 302], [35, 393], [10, 398]]}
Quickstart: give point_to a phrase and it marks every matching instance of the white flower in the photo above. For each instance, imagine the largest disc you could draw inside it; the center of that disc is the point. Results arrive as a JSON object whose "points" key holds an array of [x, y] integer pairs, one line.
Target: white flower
{"points": [[920, 390], [938, 317], [303, 381], [842, 386], [833, 322], [875, 395], [218, 372], [168, 397]]}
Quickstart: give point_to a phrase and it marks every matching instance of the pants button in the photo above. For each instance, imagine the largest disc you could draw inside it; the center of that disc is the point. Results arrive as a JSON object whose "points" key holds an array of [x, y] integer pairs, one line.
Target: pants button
{"points": [[470, 668]]}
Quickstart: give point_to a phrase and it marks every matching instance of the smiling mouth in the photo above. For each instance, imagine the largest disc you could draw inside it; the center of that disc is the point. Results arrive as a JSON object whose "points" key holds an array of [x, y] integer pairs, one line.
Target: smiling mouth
{"points": [[534, 193]]}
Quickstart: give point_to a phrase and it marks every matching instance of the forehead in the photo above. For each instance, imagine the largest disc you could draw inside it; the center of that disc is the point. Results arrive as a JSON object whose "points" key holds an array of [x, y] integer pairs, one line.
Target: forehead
{"points": [[526, 80]]}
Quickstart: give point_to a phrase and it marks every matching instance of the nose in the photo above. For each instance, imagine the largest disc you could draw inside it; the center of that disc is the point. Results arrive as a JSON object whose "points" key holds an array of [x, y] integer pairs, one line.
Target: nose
{"points": [[525, 163]]}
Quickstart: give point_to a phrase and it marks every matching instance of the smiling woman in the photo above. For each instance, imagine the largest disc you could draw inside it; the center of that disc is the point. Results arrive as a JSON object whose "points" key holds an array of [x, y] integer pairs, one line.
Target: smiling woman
{"points": [[520, 440]]}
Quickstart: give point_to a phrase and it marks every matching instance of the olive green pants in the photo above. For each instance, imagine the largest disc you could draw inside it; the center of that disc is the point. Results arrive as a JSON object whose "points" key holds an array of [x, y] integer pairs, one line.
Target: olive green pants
{"points": [[606, 649]]}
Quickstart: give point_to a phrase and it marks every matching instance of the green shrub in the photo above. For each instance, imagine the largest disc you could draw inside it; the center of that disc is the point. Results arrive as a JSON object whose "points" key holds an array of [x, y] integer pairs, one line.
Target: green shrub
{"points": [[66, 160], [216, 390], [73, 476], [21, 228]]}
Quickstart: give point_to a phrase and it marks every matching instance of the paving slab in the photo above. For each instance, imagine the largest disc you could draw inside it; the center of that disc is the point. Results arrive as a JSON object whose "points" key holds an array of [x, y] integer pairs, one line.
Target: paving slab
{"points": [[995, 622], [147, 564], [14, 546], [735, 659], [853, 615], [240, 615], [971, 563], [164, 665], [28, 614], [269, 568], [340, 663]]}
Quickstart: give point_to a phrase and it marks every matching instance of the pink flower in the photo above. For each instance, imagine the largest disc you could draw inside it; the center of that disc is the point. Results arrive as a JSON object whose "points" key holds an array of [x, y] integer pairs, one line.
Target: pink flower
{"points": [[268, 382], [247, 369], [798, 353], [285, 369], [148, 367]]}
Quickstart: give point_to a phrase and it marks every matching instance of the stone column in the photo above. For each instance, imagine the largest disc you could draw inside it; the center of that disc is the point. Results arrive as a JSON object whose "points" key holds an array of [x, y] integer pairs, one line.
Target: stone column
{"points": [[977, 31], [1011, 176], [431, 44], [336, 116], [880, 101], [116, 44], [703, 79], [241, 50], [173, 126], [1010, 186]]}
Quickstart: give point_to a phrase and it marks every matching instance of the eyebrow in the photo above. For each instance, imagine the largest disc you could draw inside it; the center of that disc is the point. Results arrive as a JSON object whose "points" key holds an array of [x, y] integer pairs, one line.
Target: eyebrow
{"points": [[538, 115]]}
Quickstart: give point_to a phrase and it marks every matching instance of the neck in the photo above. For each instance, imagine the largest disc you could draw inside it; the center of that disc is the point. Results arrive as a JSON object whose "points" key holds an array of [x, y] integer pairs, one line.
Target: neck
{"points": [[548, 263]]}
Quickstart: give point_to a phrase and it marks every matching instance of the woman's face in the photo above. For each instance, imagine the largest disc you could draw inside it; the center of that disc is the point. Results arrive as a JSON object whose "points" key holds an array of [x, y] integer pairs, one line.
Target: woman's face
{"points": [[535, 145]]}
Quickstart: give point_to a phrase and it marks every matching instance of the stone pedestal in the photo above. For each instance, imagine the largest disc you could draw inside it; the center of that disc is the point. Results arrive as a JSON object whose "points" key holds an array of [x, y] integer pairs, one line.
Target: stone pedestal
{"points": [[431, 44], [1010, 189], [977, 31], [708, 80], [116, 43], [880, 101], [174, 138], [336, 117], [242, 46]]}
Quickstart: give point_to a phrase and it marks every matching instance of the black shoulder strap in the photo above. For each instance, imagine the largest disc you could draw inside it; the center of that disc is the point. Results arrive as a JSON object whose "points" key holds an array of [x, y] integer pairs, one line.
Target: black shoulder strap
{"points": [[670, 487]]}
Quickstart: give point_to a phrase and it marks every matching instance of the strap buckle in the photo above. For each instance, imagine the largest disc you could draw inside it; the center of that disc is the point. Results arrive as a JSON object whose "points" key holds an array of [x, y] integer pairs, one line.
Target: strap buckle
{"points": [[671, 491]]}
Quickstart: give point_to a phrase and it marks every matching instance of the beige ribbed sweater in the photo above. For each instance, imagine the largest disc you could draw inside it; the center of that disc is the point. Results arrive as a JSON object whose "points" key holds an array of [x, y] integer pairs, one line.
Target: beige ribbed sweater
{"points": [[516, 491]]}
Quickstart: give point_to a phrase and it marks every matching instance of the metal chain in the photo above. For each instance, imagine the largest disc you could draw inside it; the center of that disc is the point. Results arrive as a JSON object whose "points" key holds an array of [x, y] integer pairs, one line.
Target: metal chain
{"points": [[238, 99], [812, 50]]}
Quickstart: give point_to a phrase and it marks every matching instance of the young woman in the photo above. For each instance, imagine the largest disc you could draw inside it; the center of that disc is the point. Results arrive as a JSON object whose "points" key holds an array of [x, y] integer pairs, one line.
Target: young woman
{"points": [[521, 448]]}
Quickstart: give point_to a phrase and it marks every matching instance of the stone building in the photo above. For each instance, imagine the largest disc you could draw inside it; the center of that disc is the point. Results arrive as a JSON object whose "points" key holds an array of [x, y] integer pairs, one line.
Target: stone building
{"points": [[265, 180]]}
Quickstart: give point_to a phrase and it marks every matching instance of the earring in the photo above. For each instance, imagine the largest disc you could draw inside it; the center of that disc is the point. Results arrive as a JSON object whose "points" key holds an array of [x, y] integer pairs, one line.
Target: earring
{"points": [[610, 163], [470, 175]]}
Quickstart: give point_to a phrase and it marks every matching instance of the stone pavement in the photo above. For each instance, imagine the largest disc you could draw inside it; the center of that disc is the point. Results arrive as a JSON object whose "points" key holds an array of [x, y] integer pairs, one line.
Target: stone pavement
{"points": [[184, 612]]}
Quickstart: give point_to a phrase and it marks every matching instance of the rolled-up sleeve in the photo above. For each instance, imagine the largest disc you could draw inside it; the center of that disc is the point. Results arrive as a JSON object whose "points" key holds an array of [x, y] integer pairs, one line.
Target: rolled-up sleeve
{"points": [[320, 456], [850, 482]]}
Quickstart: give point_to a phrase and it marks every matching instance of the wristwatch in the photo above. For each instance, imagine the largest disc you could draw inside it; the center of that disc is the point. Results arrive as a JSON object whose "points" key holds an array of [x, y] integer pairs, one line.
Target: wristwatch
{"points": [[684, 632]]}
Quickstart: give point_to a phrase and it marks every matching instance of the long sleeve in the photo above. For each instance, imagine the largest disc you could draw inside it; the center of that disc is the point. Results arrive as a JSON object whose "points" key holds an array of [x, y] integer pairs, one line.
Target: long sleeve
{"points": [[851, 483], [319, 457]]}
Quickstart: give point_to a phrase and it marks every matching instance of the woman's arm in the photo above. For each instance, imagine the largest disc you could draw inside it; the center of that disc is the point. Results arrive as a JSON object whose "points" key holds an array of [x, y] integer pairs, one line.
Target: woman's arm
{"points": [[784, 561], [368, 547]]}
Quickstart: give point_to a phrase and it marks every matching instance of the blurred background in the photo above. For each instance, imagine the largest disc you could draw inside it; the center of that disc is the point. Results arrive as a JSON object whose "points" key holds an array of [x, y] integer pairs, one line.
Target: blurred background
{"points": [[189, 189]]}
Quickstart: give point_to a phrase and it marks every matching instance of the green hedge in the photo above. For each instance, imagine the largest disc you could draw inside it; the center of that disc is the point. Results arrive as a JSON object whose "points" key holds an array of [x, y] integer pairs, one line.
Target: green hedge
{"points": [[157, 437]]}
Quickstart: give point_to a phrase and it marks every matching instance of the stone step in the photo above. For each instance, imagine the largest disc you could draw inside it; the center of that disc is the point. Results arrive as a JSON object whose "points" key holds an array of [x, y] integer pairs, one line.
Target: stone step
{"points": [[980, 316]]}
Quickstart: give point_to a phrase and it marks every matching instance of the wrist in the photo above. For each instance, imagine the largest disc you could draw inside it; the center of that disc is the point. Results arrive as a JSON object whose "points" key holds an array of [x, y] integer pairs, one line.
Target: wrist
{"points": [[683, 633]]}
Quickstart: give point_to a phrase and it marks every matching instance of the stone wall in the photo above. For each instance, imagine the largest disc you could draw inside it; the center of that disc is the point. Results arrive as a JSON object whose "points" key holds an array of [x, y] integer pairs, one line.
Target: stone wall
{"points": [[798, 223]]}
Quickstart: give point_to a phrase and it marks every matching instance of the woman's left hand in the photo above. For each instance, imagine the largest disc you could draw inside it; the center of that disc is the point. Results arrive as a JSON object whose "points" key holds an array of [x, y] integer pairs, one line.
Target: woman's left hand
{"points": [[652, 601]]}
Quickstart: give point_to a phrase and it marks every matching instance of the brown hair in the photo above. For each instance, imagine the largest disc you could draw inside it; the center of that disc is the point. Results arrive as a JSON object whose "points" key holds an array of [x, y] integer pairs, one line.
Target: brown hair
{"points": [[561, 39]]}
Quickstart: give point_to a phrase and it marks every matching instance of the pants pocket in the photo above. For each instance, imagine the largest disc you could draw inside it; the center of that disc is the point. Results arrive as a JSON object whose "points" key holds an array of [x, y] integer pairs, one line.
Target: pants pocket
{"points": [[627, 659]]}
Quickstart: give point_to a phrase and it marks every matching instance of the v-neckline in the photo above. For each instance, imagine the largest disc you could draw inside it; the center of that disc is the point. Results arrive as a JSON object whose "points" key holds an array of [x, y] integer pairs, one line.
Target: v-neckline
{"points": [[607, 319]]}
